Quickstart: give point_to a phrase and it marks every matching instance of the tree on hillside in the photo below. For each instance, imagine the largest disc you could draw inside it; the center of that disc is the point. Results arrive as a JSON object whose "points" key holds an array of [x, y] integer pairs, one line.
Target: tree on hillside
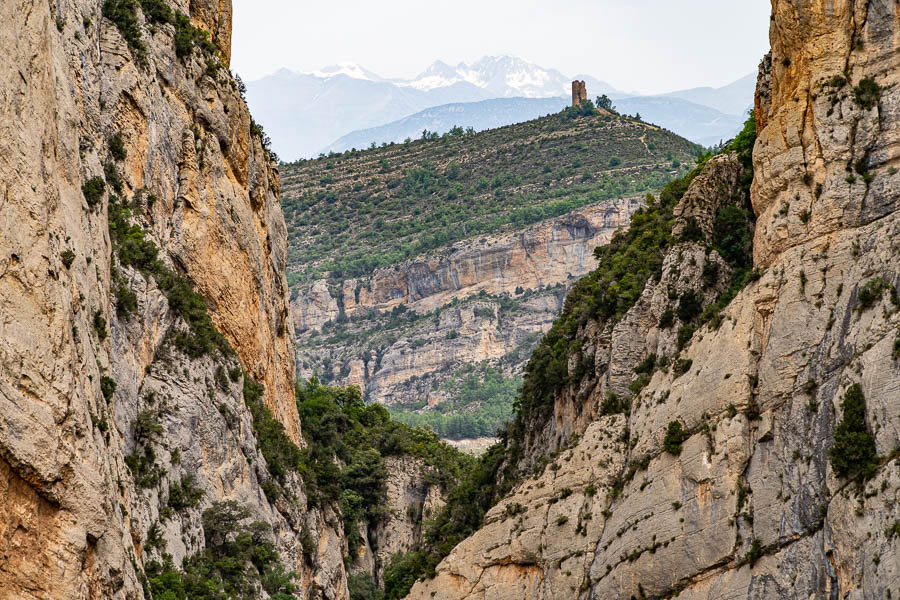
{"points": [[605, 103]]}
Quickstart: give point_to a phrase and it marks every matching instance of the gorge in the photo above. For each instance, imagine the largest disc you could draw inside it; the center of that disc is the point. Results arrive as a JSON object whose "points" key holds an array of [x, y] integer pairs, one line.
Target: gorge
{"points": [[709, 403]]}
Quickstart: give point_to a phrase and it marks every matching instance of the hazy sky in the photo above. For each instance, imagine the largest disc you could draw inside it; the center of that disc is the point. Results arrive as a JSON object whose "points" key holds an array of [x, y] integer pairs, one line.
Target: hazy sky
{"points": [[648, 46]]}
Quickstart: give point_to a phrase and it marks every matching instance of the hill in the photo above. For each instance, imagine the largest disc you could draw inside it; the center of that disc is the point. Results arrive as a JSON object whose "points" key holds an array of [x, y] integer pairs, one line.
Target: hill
{"points": [[698, 123], [486, 114], [422, 270]]}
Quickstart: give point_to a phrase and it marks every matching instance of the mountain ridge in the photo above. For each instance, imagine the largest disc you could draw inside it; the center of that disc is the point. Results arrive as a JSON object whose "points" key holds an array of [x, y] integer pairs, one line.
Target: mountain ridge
{"points": [[308, 112]]}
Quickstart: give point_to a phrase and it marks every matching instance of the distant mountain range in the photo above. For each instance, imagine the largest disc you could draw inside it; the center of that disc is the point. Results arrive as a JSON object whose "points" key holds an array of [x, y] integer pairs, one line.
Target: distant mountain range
{"points": [[486, 114], [701, 124], [345, 105]]}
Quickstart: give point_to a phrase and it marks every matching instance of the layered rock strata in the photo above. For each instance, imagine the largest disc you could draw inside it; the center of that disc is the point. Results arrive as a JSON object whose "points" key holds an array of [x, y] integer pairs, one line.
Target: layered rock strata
{"points": [[462, 293]]}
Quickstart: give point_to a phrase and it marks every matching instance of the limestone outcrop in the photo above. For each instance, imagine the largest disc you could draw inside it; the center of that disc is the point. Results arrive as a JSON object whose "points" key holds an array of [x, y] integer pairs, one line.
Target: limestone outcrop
{"points": [[109, 398], [413, 497], [739, 498]]}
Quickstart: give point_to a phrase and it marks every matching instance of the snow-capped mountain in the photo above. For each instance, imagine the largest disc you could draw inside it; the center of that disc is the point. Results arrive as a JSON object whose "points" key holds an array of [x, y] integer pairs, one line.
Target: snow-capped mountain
{"points": [[352, 70], [501, 76], [506, 77], [305, 113]]}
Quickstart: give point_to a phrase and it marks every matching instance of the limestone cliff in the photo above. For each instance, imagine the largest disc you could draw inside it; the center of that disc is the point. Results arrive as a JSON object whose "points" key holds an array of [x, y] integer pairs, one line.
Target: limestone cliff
{"points": [[116, 396], [718, 479], [482, 302]]}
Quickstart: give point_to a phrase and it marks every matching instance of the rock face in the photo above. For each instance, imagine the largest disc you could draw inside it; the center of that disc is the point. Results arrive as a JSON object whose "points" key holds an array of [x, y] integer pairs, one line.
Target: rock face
{"points": [[473, 303], [412, 497], [750, 507], [84, 385]]}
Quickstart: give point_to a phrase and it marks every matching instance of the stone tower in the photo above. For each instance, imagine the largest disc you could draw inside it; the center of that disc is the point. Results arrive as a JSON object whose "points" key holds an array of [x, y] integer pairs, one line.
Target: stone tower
{"points": [[579, 93]]}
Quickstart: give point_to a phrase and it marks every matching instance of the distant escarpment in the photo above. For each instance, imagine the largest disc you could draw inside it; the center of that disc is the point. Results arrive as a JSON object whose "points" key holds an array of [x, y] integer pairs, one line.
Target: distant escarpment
{"points": [[724, 422], [422, 268], [401, 332]]}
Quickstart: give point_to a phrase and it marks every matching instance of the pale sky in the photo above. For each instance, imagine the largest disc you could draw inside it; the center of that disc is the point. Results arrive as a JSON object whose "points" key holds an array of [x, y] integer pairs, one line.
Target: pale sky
{"points": [[647, 46]]}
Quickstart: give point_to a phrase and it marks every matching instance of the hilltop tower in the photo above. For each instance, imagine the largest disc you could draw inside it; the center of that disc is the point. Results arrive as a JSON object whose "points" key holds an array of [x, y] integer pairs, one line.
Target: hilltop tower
{"points": [[579, 93]]}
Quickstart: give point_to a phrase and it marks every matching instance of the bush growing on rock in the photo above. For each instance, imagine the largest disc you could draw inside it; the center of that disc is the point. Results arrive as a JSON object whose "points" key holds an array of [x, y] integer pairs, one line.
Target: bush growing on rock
{"points": [[675, 436], [853, 453], [93, 190]]}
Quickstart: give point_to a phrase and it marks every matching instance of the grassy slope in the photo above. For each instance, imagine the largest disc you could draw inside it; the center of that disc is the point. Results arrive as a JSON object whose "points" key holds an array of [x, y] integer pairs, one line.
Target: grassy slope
{"points": [[351, 213]]}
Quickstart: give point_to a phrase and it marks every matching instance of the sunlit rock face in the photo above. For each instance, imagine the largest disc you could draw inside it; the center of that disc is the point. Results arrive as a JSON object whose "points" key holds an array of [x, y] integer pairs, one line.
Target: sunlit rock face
{"points": [[751, 506], [85, 346]]}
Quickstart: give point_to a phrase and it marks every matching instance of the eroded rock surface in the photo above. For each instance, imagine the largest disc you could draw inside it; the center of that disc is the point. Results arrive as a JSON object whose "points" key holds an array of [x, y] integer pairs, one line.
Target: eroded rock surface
{"points": [[482, 302], [172, 138], [751, 506]]}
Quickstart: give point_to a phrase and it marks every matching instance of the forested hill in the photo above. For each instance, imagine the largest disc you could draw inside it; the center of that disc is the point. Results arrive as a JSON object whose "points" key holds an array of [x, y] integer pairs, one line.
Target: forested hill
{"points": [[483, 234], [351, 213]]}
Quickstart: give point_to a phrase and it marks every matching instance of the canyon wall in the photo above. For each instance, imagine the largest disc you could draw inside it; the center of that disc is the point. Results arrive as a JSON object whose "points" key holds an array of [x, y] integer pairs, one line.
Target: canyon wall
{"points": [[720, 480], [476, 302], [114, 390]]}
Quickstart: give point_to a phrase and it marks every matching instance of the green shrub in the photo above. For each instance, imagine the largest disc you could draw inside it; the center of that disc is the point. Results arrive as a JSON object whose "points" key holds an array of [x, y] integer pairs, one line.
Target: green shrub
{"points": [[363, 587], [143, 467], [403, 571], [667, 319], [647, 365], [93, 190], [99, 324], [682, 366], [675, 436], [733, 235], [111, 174], [157, 11], [185, 494], [126, 300], [692, 232], [755, 552], [870, 293], [867, 93], [146, 427], [710, 275], [117, 147], [685, 333], [613, 405], [689, 306], [853, 453], [107, 387], [67, 257]]}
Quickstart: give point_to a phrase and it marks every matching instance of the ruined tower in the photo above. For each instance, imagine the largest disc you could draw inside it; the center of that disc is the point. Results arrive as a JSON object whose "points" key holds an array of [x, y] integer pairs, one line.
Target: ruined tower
{"points": [[579, 93]]}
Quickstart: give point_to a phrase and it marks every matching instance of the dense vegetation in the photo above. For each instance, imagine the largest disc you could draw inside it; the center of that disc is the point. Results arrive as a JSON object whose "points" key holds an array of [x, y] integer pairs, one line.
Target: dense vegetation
{"points": [[239, 561], [350, 213], [343, 461], [481, 403], [337, 424]]}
